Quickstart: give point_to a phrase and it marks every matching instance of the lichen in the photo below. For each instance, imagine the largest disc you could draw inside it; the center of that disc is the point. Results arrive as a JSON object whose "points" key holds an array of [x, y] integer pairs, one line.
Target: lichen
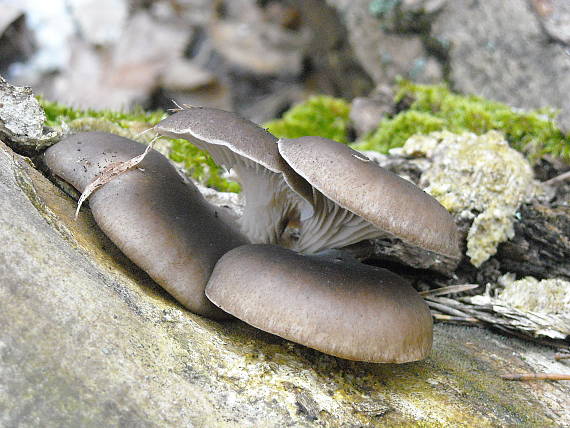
{"points": [[380, 8], [321, 116], [20, 113], [547, 296], [436, 108], [197, 163], [476, 177]]}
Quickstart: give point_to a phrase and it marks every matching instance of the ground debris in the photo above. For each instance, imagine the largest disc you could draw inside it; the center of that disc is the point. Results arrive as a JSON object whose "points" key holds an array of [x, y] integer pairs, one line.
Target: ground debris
{"points": [[488, 311]]}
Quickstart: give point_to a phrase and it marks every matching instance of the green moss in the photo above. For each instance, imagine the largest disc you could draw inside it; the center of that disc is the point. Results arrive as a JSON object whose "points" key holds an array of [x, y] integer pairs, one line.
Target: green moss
{"points": [[321, 116], [197, 163], [394, 132], [57, 114], [436, 108], [201, 166]]}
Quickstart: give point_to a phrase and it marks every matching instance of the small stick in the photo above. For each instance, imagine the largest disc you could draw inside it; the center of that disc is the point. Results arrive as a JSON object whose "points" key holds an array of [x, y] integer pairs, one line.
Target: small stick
{"points": [[446, 309], [177, 108], [444, 317], [561, 356], [536, 376], [180, 107], [558, 178], [449, 289]]}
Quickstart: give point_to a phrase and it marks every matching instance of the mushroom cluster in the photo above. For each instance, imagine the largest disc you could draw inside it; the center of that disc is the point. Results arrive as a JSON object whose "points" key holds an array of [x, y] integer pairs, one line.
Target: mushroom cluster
{"points": [[271, 269]]}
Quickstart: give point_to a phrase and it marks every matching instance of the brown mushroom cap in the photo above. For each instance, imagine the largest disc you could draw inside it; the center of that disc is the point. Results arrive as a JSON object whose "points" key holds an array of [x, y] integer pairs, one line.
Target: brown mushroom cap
{"points": [[373, 193], [230, 139], [157, 218], [205, 126], [272, 190], [348, 310]]}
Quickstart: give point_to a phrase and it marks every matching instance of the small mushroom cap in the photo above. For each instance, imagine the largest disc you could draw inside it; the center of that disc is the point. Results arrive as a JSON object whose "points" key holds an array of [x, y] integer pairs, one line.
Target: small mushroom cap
{"points": [[381, 197], [207, 127], [157, 218], [224, 128], [349, 310]]}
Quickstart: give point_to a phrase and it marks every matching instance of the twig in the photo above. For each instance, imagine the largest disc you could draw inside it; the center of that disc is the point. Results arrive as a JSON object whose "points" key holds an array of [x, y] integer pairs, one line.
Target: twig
{"points": [[443, 317], [561, 356], [525, 336], [446, 309], [506, 320], [558, 178], [448, 290], [180, 107], [177, 108], [536, 376]]}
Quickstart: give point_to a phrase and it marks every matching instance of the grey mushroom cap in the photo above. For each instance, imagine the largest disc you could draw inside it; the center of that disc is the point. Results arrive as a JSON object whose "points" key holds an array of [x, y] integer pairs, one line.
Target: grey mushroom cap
{"points": [[157, 218], [380, 197], [348, 310], [272, 190], [227, 129], [208, 127]]}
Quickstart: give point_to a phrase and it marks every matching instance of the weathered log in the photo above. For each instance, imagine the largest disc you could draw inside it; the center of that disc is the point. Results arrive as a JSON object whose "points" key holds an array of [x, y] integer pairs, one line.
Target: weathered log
{"points": [[541, 245]]}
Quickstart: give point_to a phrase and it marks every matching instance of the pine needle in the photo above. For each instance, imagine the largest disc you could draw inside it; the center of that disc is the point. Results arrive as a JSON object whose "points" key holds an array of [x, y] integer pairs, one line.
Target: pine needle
{"points": [[536, 376]]}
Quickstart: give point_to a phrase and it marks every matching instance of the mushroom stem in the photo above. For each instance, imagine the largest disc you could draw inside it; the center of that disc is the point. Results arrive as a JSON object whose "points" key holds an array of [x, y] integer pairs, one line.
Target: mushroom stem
{"points": [[269, 201], [269, 205]]}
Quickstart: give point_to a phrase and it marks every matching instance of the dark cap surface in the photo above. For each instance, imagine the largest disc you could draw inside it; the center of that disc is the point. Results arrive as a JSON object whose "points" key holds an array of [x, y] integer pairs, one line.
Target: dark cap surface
{"points": [[159, 220], [381, 197], [207, 127], [349, 310], [224, 128]]}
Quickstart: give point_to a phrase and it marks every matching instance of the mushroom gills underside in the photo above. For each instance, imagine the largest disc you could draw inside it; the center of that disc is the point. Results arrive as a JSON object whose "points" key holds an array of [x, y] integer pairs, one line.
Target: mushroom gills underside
{"points": [[331, 226], [383, 199], [328, 226], [271, 205]]}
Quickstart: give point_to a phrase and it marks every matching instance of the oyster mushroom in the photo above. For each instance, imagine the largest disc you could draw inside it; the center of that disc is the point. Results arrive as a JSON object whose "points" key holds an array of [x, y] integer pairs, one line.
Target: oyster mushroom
{"points": [[334, 193], [354, 199], [349, 310], [163, 224], [157, 218], [273, 191]]}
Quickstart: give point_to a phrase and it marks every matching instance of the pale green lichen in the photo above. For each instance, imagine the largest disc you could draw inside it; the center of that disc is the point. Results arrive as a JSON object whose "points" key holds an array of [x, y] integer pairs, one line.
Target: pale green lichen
{"points": [[320, 116], [380, 8], [436, 108], [547, 296], [478, 177]]}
